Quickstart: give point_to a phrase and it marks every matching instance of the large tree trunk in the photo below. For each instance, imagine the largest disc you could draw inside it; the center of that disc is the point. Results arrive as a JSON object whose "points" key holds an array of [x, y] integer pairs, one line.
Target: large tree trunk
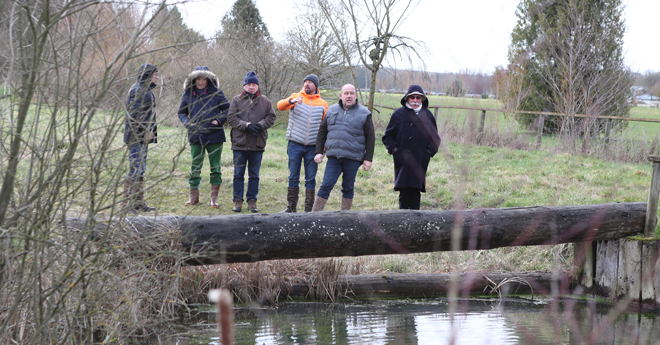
{"points": [[249, 238]]}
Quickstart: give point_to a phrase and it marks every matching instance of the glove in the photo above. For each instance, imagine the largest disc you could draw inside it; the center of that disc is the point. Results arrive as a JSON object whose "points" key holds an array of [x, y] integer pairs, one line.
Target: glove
{"points": [[254, 129]]}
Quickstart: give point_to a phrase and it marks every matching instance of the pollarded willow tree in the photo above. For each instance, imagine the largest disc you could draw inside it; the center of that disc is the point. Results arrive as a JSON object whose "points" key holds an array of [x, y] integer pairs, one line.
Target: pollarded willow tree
{"points": [[375, 25], [570, 57]]}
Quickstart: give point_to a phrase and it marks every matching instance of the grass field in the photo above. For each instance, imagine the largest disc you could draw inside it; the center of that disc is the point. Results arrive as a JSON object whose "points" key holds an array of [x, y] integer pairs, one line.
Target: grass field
{"points": [[479, 176]]}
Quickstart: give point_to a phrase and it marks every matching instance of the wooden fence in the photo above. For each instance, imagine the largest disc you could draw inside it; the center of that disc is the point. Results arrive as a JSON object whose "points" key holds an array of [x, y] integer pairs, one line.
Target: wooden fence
{"points": [[543, 114]]}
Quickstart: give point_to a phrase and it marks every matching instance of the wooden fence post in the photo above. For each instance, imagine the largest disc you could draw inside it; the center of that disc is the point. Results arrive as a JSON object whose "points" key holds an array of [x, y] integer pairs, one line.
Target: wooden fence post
{"points": [[652, 204], [482, 124], [608, 123], [435, 113], [539, 136]]}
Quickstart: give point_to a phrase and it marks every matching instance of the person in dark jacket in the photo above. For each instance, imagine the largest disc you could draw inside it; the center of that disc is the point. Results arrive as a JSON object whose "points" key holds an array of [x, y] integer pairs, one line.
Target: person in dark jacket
{"points": [[203, 111], [347, 137], [139, 131], [411, 137], [250, 115]]}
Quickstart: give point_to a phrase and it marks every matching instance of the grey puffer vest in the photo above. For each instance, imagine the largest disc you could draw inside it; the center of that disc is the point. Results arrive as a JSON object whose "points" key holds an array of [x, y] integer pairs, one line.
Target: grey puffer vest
{"points": [[346, 132], [304, 122]]}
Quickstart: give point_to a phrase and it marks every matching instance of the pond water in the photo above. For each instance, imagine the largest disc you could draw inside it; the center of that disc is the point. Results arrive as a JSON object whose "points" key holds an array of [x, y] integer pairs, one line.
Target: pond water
{"points": [[474, 321]]}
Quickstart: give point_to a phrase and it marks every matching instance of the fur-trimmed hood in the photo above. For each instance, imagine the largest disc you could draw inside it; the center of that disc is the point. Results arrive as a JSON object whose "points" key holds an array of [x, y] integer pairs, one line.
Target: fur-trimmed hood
{"points": [[201, 71]]}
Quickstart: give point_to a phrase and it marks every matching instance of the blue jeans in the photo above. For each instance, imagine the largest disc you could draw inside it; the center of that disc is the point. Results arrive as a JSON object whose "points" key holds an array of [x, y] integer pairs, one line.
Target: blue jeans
{"points": [[300, 153], [251, 160], [334, 168], [137, 159]]}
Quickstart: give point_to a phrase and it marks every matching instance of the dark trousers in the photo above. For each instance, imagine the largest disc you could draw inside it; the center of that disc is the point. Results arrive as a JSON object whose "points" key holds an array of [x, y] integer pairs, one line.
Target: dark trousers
{"points": [[252, 161], [298, 154], [409, 198], [335, 167], [137, 159]]}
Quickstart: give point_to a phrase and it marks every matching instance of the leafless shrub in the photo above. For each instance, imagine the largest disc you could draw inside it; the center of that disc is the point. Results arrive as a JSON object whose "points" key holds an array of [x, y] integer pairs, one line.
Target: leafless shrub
{"points": [[68, 66]]}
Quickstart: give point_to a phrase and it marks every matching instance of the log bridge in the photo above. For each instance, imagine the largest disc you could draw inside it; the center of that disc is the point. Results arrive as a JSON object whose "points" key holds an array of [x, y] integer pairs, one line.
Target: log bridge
{"points": [[251, 238]]}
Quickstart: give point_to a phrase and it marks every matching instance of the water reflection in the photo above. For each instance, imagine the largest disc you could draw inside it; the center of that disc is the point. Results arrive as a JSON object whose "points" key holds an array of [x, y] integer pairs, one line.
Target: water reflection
{"points": [[477, 321]]}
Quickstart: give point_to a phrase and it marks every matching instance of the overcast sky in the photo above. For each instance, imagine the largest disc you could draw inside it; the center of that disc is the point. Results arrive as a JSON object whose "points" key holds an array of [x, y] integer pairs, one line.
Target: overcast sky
{"points": [[460, 35]]}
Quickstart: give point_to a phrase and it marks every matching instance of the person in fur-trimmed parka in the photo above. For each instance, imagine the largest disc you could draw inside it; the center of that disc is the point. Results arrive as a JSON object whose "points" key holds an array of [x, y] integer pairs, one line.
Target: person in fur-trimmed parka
{"points": [[411, 137], [203, 111]]}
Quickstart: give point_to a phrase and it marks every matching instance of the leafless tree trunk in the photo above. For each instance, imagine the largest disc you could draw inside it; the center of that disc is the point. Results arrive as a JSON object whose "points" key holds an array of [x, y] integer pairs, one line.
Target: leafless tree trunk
{"points": [[375, 25]]}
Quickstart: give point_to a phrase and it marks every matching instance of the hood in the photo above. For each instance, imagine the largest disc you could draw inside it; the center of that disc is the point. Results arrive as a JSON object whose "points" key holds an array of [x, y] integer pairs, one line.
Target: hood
{"points": [[145, 72], [415, 89], [202, 71]]}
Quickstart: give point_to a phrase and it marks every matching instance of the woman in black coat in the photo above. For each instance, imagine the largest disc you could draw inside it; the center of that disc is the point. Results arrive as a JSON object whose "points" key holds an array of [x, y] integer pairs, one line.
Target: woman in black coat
{"points": [[412, 139]]}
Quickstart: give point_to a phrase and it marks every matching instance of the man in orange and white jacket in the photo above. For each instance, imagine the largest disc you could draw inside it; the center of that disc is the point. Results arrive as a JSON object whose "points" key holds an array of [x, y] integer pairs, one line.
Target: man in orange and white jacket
{"points": [[307, 110]]}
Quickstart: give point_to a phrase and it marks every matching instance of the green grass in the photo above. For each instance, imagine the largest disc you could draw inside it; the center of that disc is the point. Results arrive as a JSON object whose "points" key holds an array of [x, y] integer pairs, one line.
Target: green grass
{"points": [[478, 176]]}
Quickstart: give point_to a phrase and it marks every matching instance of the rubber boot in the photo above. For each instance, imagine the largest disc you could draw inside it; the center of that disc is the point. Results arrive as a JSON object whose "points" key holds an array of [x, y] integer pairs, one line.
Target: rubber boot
{"points": [[319, 204], [291, 200], [215, 189], [346, 204], [238, 205], [193, 199], [309, 199], [140, 204], [252, 206]]}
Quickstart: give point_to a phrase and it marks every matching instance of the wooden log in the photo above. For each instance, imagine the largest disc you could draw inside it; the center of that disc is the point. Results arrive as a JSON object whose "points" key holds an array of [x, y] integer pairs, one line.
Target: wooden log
{"points": [[249, 238], [431, 285]]}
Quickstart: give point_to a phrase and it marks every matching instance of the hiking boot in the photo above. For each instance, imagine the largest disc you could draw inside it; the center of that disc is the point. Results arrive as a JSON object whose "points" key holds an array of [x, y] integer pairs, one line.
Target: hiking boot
{"points": [[238, 205], [252, 206]]}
